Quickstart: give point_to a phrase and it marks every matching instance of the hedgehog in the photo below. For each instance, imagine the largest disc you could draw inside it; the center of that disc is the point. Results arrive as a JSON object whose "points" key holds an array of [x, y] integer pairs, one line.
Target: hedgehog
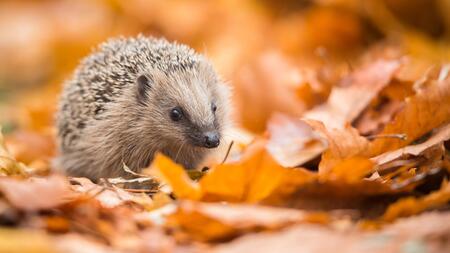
{"points": [[134, 97]]}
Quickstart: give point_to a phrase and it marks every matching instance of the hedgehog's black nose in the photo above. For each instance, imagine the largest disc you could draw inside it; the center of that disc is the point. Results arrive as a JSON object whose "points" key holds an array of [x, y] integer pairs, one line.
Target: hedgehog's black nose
{"points": [[211, 140]]}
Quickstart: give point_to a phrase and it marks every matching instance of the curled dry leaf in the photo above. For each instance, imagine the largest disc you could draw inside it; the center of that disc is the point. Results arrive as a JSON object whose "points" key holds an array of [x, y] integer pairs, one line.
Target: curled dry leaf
{"points": [[345, 103], [214, 221], [338, 191], [174, 175], [386, 105], [373, 119], [253, 178], [112, 196], [411, 206], [27, 194], [292, 142], [428, 109], [258, 178], [342, 143], [441, 135], [8, 165], [425, 233]]}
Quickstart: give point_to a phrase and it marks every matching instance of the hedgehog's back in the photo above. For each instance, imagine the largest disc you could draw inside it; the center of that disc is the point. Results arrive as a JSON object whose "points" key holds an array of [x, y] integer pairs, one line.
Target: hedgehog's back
{"points": [[102, 76]]}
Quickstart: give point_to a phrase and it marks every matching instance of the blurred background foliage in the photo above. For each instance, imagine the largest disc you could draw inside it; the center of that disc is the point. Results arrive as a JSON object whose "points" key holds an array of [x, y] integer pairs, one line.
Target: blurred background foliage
{"points": [[278, 55]]}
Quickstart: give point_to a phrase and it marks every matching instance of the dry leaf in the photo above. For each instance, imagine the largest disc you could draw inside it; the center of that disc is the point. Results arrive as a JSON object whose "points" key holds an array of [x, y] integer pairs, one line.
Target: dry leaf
{"points": [[175, 175], [292, 142], [27, 147], [20, 241], [342, 144], [112, 196], [351, 170], [214, 221], [383, 108], [265, 87], [411, 206], [428, 109], [297, 55], [252, 179], [426, 233], [441, 135], [347, 102], [8, 165], [37, 193]]}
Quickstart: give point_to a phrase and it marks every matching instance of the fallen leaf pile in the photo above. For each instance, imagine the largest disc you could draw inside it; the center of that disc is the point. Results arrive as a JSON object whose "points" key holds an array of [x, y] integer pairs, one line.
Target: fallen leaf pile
{"points": [[341, 141]]}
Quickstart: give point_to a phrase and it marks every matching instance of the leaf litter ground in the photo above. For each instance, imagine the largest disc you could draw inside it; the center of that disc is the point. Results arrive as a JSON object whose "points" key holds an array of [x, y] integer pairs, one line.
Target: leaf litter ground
{"points": [[346, 172]]}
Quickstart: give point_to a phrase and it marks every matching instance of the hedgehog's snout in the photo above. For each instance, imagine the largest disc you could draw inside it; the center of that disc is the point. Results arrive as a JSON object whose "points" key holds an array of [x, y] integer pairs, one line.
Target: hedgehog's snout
{"points": [[205, 139], [211, 139]]}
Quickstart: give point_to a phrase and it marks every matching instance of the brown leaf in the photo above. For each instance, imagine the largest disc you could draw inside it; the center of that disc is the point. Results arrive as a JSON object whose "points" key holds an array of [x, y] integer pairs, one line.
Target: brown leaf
{"points": [[253, 178], [20, 241], [175, 175], [267, 86], [428, 109], [342, 144], [211, 221], [441, 135], [73, 242], [373, 119], [411, 206], [37, 193], [8, 165], [292, 142], [351, 170], [345, 103], [110, 197], [27, 147], [425, 233]]}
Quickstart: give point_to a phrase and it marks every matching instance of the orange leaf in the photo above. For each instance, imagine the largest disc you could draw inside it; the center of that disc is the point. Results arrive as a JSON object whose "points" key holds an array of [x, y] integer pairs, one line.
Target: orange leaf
{"points": [[266, 86], [350, 170], [30, 146], [347, 102], [292, 142], [250, 180], [175, 175], [441, 135], [253, 178], [411, 206], [342, 144], [37, 193], [31, 241], [428, 109], [214, 221]]}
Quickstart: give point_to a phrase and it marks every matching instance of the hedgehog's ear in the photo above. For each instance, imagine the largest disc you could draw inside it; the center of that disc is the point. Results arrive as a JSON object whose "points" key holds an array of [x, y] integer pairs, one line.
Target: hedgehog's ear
{"points": [[144, 84]]}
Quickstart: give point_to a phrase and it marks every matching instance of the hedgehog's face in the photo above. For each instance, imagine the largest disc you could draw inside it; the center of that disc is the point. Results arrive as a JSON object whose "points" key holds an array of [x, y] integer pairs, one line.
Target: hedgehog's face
{"points": [[200, 135], [191, 106]]}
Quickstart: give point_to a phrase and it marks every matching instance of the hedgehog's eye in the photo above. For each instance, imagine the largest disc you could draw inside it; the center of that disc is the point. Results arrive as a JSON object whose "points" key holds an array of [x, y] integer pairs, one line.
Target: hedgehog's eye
{"points": [[214, 107], [176, 114]]}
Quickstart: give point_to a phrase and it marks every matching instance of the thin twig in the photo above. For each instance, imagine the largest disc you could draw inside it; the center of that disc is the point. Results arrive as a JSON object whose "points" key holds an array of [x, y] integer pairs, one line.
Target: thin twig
{"points": [[402, 137], [140, 190], [228, 152], [128, 170]]}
